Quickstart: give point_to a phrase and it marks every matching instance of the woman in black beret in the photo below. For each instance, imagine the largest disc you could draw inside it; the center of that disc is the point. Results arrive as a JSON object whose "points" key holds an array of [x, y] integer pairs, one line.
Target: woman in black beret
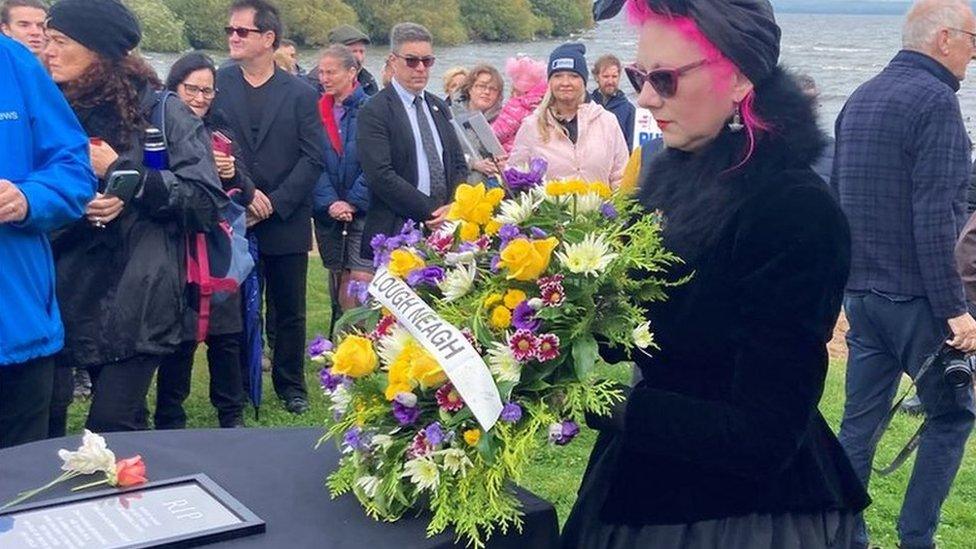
{"points": [[121, 269], [722, 445]]}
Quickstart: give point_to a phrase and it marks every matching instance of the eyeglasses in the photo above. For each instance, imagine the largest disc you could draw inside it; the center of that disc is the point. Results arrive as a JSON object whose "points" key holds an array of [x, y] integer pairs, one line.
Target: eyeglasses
{"points": [[486, 87], [664, 81], [972, 35], [241, 32], [207, 93], [413, 61]]}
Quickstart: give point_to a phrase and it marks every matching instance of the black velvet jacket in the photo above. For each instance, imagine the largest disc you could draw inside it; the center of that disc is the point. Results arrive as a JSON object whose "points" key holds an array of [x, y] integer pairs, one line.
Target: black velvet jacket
{"points": [[725, 422]]}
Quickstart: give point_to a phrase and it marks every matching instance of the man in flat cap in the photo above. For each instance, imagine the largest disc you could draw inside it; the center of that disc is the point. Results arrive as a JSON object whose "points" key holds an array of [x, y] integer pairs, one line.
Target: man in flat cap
{"points": [[356, 41]]}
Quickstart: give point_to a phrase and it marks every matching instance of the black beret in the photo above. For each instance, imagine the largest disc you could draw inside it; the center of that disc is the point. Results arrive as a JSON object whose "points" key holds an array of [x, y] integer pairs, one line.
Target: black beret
{"points": [[106, 27]]}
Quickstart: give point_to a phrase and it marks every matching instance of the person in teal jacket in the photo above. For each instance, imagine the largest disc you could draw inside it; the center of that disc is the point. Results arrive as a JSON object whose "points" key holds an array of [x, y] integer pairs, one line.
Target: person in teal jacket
{"points": [[45, 182]]}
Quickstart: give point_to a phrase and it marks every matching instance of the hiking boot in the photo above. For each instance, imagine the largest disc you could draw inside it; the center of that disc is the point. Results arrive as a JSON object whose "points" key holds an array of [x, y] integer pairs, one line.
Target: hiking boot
{"points": [[912, 406], [297, 405]]}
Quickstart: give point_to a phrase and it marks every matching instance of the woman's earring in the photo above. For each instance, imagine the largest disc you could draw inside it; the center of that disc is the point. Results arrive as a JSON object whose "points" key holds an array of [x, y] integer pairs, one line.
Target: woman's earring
{"points": [[735, 125]]}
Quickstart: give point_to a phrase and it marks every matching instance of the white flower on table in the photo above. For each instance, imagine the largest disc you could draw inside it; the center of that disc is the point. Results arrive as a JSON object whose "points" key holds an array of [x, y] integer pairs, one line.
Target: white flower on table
{"points": [[423, 472], [590, 257], [369, 485], [455, 461], [516, 211], [91, 457], [458, 281], [392, 344]]}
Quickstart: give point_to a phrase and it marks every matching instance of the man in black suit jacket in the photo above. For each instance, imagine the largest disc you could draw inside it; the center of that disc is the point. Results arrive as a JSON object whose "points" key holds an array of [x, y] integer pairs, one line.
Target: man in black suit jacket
{"points": [[275, 116], [409, 152]]}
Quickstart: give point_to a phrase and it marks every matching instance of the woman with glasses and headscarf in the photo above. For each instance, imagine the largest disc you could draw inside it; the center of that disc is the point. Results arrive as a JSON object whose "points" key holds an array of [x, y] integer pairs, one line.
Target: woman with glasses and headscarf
{"points": [[722, 444]]}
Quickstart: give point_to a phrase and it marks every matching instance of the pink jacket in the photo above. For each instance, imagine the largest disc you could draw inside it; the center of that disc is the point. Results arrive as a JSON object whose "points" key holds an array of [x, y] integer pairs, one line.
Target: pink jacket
{"points": [[513, 113], [600, 153]]}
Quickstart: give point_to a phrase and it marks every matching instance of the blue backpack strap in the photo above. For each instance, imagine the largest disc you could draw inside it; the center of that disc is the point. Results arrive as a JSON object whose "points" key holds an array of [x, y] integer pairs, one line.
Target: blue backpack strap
{"points": [[158, 116]]}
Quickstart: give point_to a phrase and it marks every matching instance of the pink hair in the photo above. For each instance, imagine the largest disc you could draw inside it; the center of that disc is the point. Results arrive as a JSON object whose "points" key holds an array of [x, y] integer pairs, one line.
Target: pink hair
{"points": [[525, 72], [722, 68]]}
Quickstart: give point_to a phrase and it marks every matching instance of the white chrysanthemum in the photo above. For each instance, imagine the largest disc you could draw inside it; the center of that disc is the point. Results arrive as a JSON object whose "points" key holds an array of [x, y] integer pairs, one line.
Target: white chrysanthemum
{"points": [[642, 336], [588, 203], [457, 283], [340, 400], [455, 461], [459, 258], [516, 211], [391, 345], [91, 457], [369, 485], [503, 364], [383, 442], [590, 257], [423, 472]]}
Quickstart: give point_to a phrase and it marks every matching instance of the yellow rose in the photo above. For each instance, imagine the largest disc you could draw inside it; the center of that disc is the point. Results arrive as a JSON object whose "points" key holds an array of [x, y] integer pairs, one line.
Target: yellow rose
{"points": [[475, 204], [577, 186], [469, 231], [513, 298], [501, 317], [398, 378], [556, 188], [492, 227], [355, 357], [601, 189], [425, 370], [402, 262], [492, 299], [525, 259], [472, 436]]}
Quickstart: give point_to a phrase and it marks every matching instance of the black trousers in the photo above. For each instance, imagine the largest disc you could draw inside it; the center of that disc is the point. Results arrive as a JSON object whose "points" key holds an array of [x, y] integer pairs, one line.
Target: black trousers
{"points": [[119, 393], [284, 278], [226, 388], [62, 395], [25, 401]]}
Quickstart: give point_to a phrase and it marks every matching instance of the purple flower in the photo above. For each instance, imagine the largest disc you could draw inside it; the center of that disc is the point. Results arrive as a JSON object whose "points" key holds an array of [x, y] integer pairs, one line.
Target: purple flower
{"points": [[467, 247], [495, 260], [608, 211], [563, 433], [359, 290], [410, 233], [378, 243], [523, 317], [355, 439], [405, 415], [430, 276], [521, 181], [538, 233], [508, 232], [319, 346], [328, 381], [511, 413], [434, 434]]}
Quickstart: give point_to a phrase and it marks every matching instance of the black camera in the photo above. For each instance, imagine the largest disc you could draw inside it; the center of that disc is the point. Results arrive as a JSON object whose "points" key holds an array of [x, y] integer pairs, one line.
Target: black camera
{"points": [[959, 369]]}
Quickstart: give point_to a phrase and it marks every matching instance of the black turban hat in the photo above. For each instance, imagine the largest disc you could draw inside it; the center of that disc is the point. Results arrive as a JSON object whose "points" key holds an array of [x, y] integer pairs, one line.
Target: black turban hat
{"points": [[104, 26], [745, 31]]}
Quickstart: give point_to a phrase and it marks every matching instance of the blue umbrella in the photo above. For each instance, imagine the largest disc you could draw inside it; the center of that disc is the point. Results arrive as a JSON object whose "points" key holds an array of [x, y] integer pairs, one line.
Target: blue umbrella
{"points": [[253, 344]]}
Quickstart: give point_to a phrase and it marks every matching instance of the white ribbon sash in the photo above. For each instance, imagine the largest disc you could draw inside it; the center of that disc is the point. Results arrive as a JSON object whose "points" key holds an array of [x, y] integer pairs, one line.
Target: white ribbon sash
{"points": [[463, 365]]}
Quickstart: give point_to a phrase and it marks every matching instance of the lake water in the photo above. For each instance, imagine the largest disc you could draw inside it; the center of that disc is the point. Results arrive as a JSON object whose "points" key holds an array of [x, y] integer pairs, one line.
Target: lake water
{"points": [[839, 51]]}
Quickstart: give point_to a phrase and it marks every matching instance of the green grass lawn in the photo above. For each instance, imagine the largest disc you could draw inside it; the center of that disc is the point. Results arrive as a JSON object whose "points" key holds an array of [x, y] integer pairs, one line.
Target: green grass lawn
{"points": [[556, 473]]}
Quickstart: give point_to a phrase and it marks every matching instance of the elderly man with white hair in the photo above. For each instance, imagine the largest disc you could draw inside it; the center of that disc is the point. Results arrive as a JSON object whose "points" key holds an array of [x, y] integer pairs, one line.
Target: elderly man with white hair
{"points": [[901, 170]]}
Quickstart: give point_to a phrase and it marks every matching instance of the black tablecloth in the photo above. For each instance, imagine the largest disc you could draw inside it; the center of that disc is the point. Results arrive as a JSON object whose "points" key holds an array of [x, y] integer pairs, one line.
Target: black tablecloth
{"points": [[275, 473]]}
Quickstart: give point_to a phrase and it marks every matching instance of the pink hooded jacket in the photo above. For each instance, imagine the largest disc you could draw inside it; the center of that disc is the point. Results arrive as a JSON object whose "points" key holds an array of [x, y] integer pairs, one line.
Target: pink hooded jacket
{"points": [[600, 152], [514, 112]]}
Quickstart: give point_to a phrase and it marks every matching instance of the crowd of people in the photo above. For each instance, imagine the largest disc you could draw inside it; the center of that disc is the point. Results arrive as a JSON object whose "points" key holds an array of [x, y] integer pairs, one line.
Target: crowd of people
{"points": [[719, 443]]}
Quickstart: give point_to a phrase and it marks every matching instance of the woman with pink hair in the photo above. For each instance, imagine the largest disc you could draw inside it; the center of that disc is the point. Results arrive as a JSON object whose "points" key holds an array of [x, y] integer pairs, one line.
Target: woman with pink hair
{"points": [[528, 78], [721, 444]]}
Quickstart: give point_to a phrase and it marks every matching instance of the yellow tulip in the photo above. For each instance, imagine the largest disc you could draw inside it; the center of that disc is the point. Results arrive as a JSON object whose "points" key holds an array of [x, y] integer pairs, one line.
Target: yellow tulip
{"points": [[425, 370], [475, 204], [355, 357], [513, 298], [501, 317], [469, 231], [525, 259], [472, 436], [403, 262], [398, 378]]}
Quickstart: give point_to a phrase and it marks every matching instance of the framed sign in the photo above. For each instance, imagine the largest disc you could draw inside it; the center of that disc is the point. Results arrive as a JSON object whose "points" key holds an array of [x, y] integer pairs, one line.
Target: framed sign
{"points": [[181, 512]]}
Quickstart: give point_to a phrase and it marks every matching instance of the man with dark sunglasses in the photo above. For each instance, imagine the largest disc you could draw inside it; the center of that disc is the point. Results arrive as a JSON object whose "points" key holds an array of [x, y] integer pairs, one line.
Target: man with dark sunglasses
{"points": [[275, 116], [409, 152]]}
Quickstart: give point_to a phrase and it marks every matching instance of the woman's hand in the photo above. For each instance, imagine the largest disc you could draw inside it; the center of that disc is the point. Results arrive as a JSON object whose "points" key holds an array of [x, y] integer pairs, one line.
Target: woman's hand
{"points": [[340, 210], [225, 165], [102, 157], [103, 209]]}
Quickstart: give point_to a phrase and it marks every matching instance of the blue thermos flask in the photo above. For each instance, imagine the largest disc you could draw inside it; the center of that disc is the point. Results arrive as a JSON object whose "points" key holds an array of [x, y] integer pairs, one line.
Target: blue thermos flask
{"points": [[154, 150]]}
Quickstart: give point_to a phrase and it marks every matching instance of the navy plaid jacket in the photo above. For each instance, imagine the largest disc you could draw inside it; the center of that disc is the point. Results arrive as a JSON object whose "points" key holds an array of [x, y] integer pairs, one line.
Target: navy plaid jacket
{"points": [[901, 170]]}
